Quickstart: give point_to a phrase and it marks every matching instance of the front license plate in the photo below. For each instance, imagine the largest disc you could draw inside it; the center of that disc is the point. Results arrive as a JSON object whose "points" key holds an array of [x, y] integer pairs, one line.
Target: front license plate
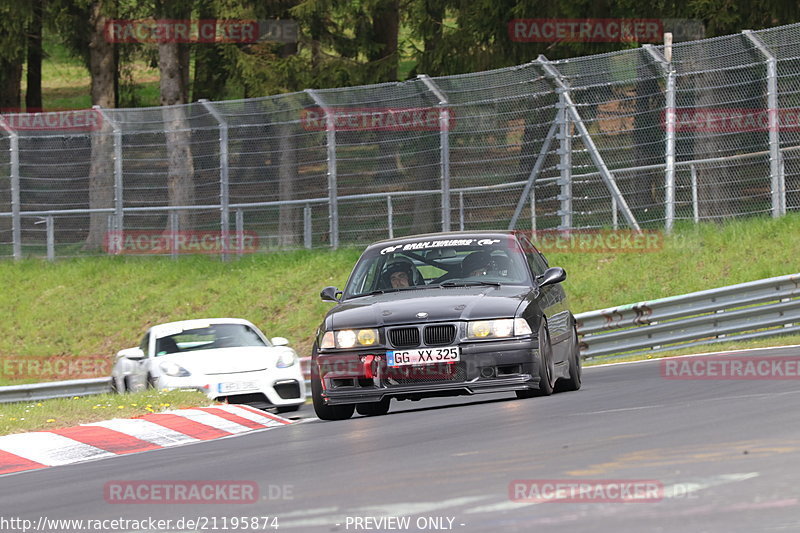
{"points": [[423, 356], [238, 386]]}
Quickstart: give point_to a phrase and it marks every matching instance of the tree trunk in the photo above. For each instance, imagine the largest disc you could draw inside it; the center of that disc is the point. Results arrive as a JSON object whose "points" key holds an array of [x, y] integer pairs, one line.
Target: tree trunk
{"points": [[33, 95], [385, 27], [10, 78], [102, 68], [180, 173]]}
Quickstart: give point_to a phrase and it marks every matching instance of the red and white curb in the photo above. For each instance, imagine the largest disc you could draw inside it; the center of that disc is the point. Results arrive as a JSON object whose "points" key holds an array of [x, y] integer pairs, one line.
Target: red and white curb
{"points": [[41, 449]]}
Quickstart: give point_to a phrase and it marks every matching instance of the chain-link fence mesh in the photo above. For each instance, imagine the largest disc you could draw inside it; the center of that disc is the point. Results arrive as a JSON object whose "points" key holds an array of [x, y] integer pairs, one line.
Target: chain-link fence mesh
{"points": [[576, 143]]}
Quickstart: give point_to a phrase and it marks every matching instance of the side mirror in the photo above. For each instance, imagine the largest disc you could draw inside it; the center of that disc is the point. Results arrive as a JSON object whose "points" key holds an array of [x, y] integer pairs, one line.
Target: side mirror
{"points": [[279, 341], [330, 294], [551, 276], [134, 354]]}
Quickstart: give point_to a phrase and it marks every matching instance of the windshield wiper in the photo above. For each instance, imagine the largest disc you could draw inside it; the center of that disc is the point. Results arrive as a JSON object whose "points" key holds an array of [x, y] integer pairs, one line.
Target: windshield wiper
{"points": [[469, 283]]}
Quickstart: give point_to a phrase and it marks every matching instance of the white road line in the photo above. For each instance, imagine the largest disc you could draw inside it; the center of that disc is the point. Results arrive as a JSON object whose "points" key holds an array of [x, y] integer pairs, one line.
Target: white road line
{"points": [[49, 448], [146, 430]]}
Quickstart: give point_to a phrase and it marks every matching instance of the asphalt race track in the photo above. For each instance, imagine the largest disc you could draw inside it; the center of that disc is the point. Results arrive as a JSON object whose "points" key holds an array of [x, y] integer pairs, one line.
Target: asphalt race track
{"points": [[725, 454]]}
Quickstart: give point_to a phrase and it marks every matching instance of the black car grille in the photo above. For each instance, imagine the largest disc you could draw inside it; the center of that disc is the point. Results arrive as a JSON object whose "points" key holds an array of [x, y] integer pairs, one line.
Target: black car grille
{"points": [[404, 337], [439, 335], [425, 374]]}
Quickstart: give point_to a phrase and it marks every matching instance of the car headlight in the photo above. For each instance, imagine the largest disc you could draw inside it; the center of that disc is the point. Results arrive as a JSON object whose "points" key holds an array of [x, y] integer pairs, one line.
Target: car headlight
{"points": [[174, 370], [499, 328], [349, 338], [286, 359]]}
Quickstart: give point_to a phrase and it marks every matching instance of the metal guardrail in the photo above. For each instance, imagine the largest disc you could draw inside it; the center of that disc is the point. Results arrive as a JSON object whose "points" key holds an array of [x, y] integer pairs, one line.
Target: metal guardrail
{"points": [[54, 389], [750, 310], [745, 311]]}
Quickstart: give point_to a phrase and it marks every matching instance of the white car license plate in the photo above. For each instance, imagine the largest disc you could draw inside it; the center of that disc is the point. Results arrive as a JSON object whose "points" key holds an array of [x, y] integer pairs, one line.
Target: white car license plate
{"points": [[238, 386], [424, 356]]}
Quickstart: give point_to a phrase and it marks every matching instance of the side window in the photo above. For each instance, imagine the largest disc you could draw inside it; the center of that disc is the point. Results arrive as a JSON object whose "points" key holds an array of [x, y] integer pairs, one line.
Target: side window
{"points": [[145, 343], [535, 259]]}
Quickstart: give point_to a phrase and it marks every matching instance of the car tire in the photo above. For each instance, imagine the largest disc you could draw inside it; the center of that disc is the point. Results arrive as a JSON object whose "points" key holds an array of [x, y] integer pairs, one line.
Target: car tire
{"points": [[327, 412], [287, 408], [151, 382], [546, 369], [374, 408], [574, 381]]}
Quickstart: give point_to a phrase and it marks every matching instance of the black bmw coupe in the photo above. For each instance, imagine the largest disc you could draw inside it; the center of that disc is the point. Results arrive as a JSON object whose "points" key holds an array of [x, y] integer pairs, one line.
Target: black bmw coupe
{"points": [[444, 314]]}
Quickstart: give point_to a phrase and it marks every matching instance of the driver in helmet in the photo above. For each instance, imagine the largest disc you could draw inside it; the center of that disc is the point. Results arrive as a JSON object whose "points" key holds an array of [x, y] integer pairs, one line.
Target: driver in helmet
{"points": [[399, 274]]}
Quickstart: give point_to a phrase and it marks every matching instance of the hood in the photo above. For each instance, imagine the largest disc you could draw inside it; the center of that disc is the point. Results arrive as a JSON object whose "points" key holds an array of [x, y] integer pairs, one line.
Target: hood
{"points": [[224, 360], [441, 304]]}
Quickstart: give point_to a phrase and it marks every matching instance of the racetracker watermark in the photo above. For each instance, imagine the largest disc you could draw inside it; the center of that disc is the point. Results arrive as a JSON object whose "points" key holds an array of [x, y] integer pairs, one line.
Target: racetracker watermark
{"points": [[586, 30], [730, 367], [199, 31], [55, 368], [586, 491], [181, 242], [65, 120], [192, 492], [595, 240], [731, 120], [378, 119]]}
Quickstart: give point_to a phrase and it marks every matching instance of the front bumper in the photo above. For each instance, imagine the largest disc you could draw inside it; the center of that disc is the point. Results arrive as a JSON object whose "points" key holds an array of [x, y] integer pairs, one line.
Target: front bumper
{"points": [[266, 388], [485, 367]]}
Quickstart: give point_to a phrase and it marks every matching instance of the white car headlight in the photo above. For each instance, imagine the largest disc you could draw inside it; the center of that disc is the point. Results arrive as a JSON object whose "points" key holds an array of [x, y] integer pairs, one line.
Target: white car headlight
{"points": [[497, 329], [286, 359], [174, 370]]}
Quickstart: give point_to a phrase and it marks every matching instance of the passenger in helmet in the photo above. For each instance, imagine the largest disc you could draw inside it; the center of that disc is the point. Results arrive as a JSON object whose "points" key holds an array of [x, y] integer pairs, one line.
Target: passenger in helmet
{"points": [[475, 264]]}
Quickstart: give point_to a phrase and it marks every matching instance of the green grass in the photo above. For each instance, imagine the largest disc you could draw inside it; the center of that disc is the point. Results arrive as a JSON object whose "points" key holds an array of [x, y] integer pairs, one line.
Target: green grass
{"points": [[67, 412], [93, 306]]}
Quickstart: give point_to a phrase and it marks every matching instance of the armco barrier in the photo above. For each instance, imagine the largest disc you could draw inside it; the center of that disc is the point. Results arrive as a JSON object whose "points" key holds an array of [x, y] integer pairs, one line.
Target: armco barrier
{"points": [[745, 311], [54, 389], [750, 310]]}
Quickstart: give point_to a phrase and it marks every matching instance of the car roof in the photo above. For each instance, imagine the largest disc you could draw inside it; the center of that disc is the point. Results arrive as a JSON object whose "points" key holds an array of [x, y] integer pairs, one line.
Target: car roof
{"points": [[170, 328]]}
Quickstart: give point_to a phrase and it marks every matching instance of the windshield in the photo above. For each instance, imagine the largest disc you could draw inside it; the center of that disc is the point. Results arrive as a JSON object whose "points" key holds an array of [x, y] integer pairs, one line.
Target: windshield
{"points": [[435, 263], [207, 338]]}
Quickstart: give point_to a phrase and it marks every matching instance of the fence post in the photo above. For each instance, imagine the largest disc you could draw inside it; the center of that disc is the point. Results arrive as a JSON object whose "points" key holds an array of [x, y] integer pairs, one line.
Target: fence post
{"points": [[591, 147], [119, 213], [16, 222], [224, 184], [564, 160], [669, 172], [333, 199], [695, 200], [174, 237], [461, 210], [390, 215], [239, 214], [307, 233], [778, 185], [444, 146], [51, 238]]}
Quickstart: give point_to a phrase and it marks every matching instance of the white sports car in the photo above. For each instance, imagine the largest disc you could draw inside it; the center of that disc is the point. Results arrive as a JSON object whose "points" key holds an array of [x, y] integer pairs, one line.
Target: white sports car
{"points": [[227, 358]]}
